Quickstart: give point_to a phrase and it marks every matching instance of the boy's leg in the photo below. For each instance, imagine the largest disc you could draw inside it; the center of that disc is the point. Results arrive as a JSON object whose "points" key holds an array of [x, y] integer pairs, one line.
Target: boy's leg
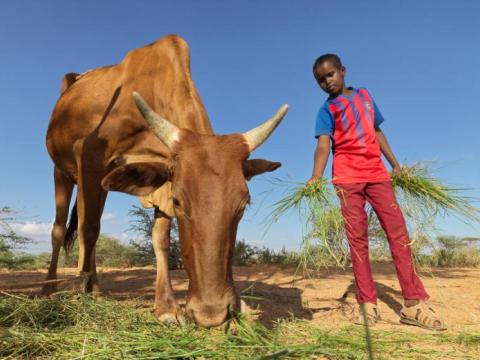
{"points": [[382, 198], [352, 201]]}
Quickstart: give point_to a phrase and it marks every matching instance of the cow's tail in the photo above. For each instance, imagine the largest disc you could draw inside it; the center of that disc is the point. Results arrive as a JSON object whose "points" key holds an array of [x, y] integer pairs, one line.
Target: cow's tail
{"points": [[71, 233]]}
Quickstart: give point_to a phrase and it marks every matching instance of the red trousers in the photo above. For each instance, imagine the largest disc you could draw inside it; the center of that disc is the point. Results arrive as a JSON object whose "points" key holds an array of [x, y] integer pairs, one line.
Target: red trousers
{"points": [[381, 197]]}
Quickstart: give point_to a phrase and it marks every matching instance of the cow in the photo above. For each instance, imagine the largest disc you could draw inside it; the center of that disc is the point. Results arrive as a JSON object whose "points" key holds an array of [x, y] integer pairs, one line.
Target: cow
{"points": [[139, 127]]}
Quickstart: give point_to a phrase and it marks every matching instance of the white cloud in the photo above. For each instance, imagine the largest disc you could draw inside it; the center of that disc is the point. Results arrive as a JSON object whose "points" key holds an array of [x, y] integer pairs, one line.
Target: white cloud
{"points": [[108, 216], [30, 229], [124, 236], [38, 232]]}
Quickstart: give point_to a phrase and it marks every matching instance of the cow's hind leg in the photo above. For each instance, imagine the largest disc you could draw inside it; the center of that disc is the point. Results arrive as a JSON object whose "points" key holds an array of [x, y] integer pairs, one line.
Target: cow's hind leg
{"points": [[63, 194], [166, 308]]}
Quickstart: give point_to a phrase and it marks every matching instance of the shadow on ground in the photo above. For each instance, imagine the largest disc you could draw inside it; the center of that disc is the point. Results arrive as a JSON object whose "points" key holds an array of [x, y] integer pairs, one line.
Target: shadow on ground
{"points": [[273, 293]]}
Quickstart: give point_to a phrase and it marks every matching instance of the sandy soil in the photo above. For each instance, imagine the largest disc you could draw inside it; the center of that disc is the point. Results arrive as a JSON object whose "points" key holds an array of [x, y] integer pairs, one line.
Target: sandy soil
{"points": [[273, 292]]}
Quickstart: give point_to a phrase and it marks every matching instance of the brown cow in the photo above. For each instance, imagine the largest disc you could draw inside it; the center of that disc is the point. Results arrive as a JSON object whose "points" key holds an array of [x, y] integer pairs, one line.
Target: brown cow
{"points": [[99, 141]]}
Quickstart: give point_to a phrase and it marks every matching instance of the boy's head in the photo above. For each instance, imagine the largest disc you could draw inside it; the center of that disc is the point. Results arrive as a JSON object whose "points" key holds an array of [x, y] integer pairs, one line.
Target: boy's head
{"points": [[330, 74]]}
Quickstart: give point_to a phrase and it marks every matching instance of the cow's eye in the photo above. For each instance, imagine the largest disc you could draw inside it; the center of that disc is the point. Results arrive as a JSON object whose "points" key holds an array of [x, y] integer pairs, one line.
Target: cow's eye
{"points": [[179, 210], [176, 203]]}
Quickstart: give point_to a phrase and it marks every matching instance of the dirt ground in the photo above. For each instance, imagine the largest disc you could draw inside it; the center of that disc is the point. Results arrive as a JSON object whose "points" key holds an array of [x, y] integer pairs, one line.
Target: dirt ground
{"points": [[273, 292]]}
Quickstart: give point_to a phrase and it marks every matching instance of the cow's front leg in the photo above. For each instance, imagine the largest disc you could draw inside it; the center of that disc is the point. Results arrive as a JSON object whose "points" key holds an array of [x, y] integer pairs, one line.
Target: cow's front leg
{"points": [[166, 308], [90, 202], [96, 290]]}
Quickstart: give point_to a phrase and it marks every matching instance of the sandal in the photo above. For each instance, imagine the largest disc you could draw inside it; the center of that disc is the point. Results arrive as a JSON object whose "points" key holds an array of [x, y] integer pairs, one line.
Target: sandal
{"points": [[371, 316], [422, 315]]}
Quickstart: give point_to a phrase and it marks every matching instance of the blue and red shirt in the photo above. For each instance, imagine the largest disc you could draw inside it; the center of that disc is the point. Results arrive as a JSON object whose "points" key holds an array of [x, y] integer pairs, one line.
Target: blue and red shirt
{"points": [[350, 121]]}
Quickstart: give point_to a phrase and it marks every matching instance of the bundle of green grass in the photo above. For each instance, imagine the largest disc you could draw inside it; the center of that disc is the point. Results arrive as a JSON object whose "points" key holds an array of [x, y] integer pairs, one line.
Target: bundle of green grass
{"points": [[416, 186], [421, 196]]}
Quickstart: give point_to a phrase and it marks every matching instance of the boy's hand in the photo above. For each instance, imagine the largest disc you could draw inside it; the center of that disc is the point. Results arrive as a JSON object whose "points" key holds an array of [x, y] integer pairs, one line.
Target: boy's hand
{"points": [[396, 170], [313, 180]]}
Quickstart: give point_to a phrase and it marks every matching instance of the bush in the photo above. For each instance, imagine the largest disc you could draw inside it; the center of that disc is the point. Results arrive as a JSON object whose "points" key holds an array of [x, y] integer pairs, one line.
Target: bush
{"points": [[284, 257], [110, 252], [13, 261], [142, 225], [245, 254], [10, 241], [451, 251]]}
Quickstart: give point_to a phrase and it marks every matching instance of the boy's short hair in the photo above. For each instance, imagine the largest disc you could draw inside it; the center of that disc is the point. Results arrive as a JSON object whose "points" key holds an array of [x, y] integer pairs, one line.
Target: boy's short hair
{"points": [[333, 58]]}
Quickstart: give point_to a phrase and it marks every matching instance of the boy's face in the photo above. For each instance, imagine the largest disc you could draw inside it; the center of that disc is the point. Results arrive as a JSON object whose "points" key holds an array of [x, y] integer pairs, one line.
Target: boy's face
{"points": [[330, 78]]}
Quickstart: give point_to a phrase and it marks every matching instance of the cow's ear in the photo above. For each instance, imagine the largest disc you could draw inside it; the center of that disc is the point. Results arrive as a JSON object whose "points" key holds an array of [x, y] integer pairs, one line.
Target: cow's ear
{"points": [[255, 167], [137, 178]]}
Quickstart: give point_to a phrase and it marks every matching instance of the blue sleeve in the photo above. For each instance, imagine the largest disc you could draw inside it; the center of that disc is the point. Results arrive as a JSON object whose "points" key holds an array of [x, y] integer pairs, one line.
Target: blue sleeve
{"points": [[324, 122], [378, 117]]}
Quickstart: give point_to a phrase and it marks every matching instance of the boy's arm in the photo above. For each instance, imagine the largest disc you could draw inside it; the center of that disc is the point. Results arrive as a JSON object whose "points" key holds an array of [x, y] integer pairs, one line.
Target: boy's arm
{"points": [[386, 150], [322, 151]]}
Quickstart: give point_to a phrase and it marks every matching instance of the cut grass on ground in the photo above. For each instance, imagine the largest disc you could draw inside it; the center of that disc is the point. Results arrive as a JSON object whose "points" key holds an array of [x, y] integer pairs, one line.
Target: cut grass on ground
{"points": [[80, 327]]}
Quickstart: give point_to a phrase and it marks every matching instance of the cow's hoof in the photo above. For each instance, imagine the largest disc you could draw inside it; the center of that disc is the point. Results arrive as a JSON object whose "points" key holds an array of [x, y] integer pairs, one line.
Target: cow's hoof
{"points": [[243, 306], [171, 319], [48, 290], [97, 292], [181, 320]]}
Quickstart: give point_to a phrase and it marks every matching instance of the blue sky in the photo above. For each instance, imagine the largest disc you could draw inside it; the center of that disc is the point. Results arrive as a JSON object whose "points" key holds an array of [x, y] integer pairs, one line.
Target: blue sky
{"points": [[419, 59]]}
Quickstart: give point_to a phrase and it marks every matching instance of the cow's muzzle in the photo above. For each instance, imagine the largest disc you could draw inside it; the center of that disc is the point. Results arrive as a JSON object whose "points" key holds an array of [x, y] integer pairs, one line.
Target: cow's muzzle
{"points": [[210, 313]]}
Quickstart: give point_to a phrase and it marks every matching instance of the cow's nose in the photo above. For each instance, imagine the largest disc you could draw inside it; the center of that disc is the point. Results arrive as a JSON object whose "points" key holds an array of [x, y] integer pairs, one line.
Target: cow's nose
{"points": [[211, 314], [209, 319]]}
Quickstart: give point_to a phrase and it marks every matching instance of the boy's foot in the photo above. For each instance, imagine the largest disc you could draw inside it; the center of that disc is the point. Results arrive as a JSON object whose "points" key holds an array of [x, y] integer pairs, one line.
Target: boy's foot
{"points": [[422, 315], [368, 313]]}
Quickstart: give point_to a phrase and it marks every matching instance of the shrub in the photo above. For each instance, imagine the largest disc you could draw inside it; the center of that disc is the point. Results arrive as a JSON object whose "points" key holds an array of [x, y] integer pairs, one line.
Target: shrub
{"points": [[142, 225], [10, 241], [110, 252], [449, 251], [246, 254], [243, 253]]}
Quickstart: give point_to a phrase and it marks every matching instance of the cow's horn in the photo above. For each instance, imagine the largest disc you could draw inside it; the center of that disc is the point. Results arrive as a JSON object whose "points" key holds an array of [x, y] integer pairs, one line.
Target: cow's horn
{"points": [[258, 135], [162, 128]]}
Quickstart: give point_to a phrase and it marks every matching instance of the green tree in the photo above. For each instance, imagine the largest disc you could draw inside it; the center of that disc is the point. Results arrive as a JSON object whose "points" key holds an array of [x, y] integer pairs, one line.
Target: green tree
{"points": [[10, 241], [142, 224], [243, 253]]}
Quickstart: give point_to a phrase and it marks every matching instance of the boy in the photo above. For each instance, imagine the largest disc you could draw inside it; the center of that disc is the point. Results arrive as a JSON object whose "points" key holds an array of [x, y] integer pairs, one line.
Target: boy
{"points": [[350, 120]]}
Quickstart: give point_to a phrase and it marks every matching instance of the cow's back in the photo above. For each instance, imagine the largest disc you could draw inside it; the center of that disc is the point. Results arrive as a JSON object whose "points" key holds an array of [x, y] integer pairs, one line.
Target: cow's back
{"points": [[98, 105]]}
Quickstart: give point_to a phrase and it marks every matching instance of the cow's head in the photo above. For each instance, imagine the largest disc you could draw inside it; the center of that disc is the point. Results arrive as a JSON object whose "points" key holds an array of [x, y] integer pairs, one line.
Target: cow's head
{"points": [[208, 175]]}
